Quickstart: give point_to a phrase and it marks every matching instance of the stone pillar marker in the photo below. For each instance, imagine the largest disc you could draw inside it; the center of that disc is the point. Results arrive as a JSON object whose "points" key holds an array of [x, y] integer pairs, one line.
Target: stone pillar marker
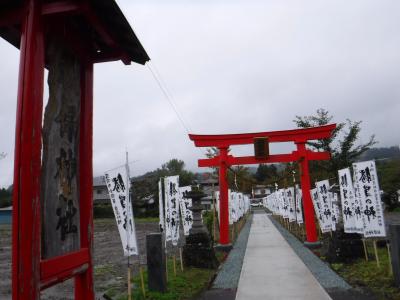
{"points": [[394, 230], [156, 264], [198, 250]]}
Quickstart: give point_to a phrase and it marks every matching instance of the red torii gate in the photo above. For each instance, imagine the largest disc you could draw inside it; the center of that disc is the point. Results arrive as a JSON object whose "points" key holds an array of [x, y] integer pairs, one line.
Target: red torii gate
{"points": [[302, 155]]}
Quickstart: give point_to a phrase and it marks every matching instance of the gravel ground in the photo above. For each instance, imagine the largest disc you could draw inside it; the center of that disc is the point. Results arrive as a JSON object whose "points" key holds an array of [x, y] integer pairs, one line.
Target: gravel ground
{"points": [[335, 285], [229, 273], [109, 262], [225, 284]]}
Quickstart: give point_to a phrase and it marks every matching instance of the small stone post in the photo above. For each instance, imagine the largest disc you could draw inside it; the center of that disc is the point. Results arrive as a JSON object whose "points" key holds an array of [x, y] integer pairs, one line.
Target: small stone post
{"points": [[156, 264], [394, 230]]}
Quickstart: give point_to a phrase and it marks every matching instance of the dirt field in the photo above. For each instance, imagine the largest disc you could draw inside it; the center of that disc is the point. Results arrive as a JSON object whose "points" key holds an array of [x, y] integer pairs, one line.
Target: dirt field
{"points": [[110, 264]]}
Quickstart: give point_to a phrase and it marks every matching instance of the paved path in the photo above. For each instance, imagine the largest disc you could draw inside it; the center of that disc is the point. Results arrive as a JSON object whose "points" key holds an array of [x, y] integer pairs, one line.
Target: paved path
{"points": [[272, 270]]}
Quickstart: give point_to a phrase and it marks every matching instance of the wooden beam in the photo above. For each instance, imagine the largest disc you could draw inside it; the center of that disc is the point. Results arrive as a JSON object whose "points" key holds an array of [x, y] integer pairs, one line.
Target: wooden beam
{"points": [[273, 158], [293, 135], [12, 17], [63, 7], [61, 268]]}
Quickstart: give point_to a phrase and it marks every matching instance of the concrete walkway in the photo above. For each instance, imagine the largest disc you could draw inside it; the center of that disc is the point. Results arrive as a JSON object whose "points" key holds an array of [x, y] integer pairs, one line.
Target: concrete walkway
{"points": [[272, 270]]}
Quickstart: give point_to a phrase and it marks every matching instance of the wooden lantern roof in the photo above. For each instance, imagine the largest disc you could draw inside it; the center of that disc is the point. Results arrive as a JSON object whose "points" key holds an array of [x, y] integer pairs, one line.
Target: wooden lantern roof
{"points": [[96, 28]]}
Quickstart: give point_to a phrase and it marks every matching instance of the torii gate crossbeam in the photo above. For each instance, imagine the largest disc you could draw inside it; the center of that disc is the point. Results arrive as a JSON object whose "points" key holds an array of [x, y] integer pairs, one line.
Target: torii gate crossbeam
{"points": [[301, 155]]}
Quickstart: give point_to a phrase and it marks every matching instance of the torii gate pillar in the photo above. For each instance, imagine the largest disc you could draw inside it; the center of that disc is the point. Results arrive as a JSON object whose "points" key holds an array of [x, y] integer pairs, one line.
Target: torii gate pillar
{"points": [[311, 230], [223, 197]]}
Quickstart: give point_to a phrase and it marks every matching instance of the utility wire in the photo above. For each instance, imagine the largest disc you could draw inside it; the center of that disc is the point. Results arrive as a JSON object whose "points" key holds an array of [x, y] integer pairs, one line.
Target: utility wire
{"points": [[170, 99]]}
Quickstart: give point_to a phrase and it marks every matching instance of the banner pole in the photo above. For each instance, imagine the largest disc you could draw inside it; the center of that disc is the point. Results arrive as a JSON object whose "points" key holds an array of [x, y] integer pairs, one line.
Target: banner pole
{"points": [[390, 259], [129, 283], [142, 281], [365, 250], [180, 258], [174, 260], [376, 255]]}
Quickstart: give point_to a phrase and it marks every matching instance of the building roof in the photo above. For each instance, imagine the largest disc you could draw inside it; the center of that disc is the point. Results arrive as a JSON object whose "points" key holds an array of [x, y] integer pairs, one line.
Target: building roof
{"points": [[6, 208], [99, 181], [99, 25]]}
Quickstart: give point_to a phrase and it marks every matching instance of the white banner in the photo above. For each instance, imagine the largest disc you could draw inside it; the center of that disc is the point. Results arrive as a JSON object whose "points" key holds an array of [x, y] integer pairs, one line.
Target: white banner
{"points": [[171, 184], [299, 209], [118, 187], [161, 206], [285, 203], [369, 193], [291, 203], [325, 204], [186, 213], [347, 195]]}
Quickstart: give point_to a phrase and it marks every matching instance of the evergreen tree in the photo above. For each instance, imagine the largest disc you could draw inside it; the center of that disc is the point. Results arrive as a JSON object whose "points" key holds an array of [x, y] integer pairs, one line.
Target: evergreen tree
{"points": [[343, 144]]}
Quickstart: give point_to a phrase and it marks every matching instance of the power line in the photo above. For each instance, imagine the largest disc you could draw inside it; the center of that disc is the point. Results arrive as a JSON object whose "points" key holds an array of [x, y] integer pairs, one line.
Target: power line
{"points": [[169, 97]]}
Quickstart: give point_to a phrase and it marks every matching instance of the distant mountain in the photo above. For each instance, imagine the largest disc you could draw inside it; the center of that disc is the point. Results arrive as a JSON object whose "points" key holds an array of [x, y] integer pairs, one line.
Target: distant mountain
{"points": [[381, 153]]}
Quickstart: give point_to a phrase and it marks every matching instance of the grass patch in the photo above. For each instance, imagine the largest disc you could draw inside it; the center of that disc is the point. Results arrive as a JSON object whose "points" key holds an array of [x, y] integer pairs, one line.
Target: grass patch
{"points": [[185, 285], [366, 274]]}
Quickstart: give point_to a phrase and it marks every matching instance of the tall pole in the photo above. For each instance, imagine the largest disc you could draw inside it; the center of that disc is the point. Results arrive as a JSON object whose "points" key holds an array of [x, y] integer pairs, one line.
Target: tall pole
{"points": [[223, 194], [311, 230], [26, 250]]}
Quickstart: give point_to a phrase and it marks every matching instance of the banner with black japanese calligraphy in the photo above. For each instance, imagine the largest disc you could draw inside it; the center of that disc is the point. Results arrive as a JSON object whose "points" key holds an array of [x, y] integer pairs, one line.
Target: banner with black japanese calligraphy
{"points": [[369, 193], [299, 209], [324, 200], [231, 207], [324, 223], [118, 187], [352, 222], [217, 205], [283, 199], [290, 200], [161, 206], [171, 185], [185, 205]]}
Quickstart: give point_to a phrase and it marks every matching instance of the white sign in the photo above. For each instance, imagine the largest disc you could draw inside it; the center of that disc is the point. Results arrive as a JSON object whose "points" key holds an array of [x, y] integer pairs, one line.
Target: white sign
{"points": [[186, 213], [352, 223], [369, 193], [171, 184], [299, 210], [324, 201], [161, 205], [118, 187], [292, 206]]}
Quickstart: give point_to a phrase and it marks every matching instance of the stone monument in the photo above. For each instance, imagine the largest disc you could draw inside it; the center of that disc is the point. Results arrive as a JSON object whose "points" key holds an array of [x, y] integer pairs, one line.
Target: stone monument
{"points": [[198, 250]]}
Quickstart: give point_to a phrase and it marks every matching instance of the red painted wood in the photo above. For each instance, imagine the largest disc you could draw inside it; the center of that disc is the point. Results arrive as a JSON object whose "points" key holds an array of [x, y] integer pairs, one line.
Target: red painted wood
{"points": [[223, 198], [274, 158], [27, 161], [303, 155], [309, 220], [61, 268], [12, 17], [62, 7], [84, 282], [295, 135]]}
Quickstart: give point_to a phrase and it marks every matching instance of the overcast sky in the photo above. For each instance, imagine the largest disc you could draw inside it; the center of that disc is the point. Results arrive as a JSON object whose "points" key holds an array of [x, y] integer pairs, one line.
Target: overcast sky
{"points": [[235, 66]]}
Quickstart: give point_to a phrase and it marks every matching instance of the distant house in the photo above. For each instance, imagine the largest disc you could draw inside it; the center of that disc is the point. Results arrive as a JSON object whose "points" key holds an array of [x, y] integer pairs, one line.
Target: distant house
{"points": [[261, 191], [6, 215], [209, 186], [100, 191]]}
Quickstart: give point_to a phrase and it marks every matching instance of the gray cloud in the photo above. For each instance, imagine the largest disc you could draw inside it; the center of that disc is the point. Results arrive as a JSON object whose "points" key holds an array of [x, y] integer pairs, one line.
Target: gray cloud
{"points": [[236, 66]]}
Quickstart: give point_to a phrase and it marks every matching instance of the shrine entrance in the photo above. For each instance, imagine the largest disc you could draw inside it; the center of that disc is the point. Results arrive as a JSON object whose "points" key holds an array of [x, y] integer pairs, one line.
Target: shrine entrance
{"points": [[52, 223], [261, 141]]}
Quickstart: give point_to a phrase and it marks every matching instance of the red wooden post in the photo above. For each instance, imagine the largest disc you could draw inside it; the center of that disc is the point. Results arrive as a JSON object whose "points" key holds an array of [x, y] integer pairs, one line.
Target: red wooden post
{"points": [[311, 231], [84, 282], [223, 197], [27, 161]]}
